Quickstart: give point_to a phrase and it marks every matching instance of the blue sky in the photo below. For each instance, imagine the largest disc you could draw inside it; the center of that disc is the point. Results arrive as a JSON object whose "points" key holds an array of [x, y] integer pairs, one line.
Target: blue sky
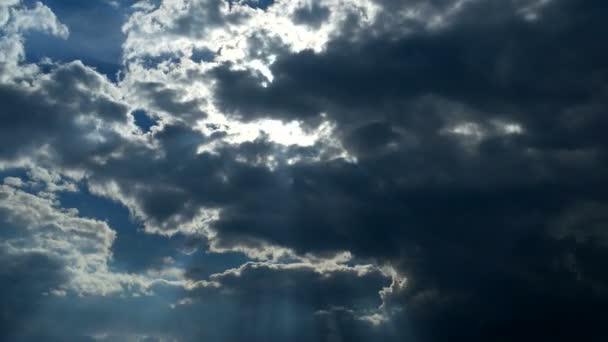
{"points": [[95, 35]]}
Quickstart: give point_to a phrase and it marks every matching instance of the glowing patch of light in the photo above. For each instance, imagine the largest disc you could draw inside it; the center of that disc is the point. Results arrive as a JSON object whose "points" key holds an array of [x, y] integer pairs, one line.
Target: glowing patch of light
{"points": [[284, 133], [469, 129], [513, 129], [530, 12]]}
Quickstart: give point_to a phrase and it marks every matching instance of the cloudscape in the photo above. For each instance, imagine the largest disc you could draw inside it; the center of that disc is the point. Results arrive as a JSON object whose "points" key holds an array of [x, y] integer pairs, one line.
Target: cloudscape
{"points": [[303, 170]]}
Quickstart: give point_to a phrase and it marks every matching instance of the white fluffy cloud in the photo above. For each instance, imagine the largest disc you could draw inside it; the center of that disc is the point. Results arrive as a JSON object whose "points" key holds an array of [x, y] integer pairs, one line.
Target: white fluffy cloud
{"points": [[15, 20], [34, 224], [162, 44]]}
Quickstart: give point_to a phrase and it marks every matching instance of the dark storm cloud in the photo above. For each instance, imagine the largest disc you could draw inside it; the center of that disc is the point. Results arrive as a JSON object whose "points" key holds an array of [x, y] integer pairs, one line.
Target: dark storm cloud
{"points": [[468, 221], [261, 4], [167, 100], [171, 186], [237, 87], [23, 279], [480, 176], [313, 15], [490, 58], [61, 110], [314, 288], [204, 14], [267, 302], [462, 224], [298, 302]]}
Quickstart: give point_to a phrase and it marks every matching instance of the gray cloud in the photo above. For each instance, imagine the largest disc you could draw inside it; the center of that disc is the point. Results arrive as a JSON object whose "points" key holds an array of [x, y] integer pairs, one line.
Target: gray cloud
{"points": [[313, 15], [474, 165], [168, 101], [70, 110]]}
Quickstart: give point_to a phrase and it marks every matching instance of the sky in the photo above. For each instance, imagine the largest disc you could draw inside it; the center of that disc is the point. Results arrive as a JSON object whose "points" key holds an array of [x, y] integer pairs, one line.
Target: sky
{"points": [[311, 170]]}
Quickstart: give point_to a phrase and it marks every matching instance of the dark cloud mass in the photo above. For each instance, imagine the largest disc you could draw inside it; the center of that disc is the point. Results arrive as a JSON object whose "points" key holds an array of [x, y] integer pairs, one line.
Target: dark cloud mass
{"points": [[446, 179], [313, 15], [68, 110]]}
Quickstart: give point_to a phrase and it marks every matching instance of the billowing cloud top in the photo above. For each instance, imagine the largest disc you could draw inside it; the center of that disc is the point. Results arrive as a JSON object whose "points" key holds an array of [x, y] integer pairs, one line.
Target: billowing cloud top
{"points": [[318, 170]]}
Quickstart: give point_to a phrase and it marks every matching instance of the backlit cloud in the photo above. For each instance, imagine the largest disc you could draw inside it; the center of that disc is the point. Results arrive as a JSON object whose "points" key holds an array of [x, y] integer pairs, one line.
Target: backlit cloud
{"points": [[332, 170]]}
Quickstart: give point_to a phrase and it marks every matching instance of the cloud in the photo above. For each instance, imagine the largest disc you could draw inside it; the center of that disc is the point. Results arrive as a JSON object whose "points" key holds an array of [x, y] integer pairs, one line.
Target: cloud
{"points": [[457, 136], [68, 113], [167, 101], [314, 15], [16, 20], [321, 289], [34, 225], [454, 148], [39, 17], [57, 270]]}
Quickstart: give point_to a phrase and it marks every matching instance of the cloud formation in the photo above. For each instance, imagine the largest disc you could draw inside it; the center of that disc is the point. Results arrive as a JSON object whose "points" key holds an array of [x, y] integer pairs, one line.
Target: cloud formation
{"points": [[371, 170]]}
